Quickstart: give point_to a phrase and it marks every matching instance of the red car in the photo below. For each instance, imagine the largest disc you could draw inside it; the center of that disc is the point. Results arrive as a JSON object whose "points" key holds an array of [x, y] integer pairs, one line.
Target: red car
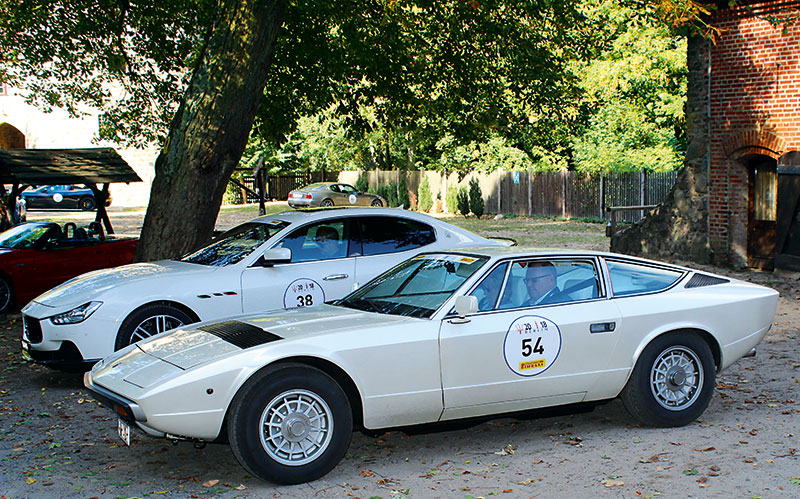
{"points": [[35, 257]]}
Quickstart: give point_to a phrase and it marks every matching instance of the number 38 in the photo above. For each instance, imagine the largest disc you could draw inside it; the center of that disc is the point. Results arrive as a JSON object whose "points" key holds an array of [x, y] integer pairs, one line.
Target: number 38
{"points": [[305, 301]]}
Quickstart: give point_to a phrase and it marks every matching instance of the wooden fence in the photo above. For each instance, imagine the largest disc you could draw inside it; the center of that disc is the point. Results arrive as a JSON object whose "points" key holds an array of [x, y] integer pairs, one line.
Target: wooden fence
{"points": [[552, 194], [278, 186]]}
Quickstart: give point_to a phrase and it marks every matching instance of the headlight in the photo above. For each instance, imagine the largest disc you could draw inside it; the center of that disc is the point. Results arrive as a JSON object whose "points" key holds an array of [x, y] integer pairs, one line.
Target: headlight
{"points": [[77, 314]]}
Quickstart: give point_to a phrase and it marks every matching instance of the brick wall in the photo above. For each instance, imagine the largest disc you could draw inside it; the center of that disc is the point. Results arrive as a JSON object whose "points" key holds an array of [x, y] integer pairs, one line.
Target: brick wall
{"points": [[754, 110]]}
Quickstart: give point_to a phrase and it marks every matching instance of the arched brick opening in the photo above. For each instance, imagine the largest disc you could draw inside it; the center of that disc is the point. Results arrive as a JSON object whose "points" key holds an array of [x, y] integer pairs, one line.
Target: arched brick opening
{"points": [[751, 201], [10, 137]]}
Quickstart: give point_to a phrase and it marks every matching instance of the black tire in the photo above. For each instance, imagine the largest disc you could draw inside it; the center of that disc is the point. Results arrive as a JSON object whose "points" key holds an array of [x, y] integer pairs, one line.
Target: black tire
{"points": [[86, 203], [672, 382], [150, 320], [6, 293], [263, 405], [326, 203], [377, 203]]}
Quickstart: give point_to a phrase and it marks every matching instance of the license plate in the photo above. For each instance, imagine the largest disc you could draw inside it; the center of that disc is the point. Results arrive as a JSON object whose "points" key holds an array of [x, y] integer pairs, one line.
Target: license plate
{"points": [[124, 430]]}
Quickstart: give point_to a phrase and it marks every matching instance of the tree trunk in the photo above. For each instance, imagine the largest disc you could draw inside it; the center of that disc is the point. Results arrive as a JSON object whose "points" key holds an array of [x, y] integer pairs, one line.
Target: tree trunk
{"points": [[678, 227], [211, 128]]}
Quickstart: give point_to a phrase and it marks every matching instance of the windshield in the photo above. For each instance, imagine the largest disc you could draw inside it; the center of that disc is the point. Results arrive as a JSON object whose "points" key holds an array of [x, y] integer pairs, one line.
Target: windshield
{"points": [[22, 236], [416, 287], [234, 245]]}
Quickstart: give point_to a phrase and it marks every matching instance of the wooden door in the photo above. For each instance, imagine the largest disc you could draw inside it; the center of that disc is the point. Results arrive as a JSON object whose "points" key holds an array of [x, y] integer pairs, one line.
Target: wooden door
{"points": [[761, 226]]}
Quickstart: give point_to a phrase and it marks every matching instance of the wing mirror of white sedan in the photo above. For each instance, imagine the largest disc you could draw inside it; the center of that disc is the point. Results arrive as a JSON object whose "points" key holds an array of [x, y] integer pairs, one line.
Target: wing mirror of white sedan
{"points": [[274, 256], [466, 305]]}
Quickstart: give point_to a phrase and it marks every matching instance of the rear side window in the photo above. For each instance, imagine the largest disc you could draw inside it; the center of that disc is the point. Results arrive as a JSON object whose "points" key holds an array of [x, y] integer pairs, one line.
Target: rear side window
{"points": [[381, 235], [632, 278]]}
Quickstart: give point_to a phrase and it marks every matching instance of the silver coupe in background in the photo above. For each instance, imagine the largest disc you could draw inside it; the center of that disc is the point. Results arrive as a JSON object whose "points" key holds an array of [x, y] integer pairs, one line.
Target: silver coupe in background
{"points": [[324, 194]]}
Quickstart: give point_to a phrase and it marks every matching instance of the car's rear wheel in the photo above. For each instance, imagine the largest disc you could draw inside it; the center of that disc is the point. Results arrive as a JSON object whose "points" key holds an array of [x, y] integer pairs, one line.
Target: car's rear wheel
{"points": [[86, 203], [148, 321], [326, 203], [290, 424], [6, 293], [377, 203], [672, 382]]}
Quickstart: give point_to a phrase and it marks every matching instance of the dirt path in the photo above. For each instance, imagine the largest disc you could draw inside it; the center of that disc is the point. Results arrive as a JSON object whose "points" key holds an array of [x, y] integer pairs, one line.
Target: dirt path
{"points": [[56, 442]]}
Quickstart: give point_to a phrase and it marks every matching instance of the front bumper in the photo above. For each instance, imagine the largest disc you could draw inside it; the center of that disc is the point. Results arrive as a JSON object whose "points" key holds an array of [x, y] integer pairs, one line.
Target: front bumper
{"points": [[126, 409], [66, 358]]}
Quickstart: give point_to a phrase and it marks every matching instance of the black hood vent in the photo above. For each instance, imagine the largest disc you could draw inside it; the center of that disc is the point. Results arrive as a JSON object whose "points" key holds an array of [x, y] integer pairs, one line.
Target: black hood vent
{"points": [[240, 334], [700, 280]]}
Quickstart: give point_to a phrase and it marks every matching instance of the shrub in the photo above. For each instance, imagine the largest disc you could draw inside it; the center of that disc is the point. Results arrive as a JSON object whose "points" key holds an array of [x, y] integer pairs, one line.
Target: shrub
{"points": [[402, 192], [425, 196], [475, 198], [462, 200], [362, 183], [451, 199]]}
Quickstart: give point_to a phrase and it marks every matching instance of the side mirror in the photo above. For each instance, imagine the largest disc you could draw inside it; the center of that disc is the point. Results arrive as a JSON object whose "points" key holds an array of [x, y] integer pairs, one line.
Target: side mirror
{"points": [[274, 256], [466, 305]]}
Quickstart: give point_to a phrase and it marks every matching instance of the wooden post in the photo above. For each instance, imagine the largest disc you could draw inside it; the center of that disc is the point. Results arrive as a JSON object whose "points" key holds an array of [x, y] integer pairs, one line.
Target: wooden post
{"points": [[642, 191], [563, 193], [602, 194], [499, 189], [530, 188]]}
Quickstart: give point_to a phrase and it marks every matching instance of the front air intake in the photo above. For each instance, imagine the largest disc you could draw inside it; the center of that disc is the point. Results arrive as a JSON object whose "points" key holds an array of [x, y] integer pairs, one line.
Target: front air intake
{"points": [[240, 334]]}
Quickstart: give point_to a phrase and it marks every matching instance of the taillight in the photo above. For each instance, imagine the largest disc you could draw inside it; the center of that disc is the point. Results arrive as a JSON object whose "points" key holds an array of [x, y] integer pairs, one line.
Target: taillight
{"points": [[308, 196]]}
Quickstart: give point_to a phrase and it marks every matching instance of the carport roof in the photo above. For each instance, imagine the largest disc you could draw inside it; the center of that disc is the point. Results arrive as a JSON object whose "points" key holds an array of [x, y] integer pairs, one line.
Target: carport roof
{"points": [[64, 166]]}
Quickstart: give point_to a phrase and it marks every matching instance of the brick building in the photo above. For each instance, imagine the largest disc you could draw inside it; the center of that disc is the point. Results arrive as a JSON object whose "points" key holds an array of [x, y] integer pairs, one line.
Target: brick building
{"points": [[736, 202]]}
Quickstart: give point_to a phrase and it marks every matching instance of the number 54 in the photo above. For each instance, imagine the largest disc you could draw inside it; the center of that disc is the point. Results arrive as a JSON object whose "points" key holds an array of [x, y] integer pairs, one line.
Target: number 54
{"points": [[527, 350]]}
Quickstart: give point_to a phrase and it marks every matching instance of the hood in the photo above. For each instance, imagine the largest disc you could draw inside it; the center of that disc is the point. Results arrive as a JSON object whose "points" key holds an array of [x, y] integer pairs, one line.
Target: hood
{"points": [[87, 287], [188, 347]]}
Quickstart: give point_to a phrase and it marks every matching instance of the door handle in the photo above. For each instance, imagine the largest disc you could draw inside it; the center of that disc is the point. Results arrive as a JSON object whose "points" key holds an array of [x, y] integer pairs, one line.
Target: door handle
{"points": [[335, 277], [602, 327]]}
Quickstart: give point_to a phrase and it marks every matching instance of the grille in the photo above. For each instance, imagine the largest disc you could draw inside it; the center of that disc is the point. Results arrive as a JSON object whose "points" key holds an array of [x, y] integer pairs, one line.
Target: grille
{"points": [[240, 334], [31, 329], [700, 280]]}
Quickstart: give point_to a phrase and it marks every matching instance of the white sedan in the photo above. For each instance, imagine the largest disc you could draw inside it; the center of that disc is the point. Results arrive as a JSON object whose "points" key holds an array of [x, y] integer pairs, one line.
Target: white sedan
{"points": [[442, 336], [292, 259]]}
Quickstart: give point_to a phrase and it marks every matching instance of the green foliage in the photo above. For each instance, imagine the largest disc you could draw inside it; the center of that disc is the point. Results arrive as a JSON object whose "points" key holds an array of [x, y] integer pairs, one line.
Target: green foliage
{"points": [[451, 199], [362, 182], [462, 200], [475, 198], [402, 192], [425, 196], [636, 89], [388, 191]]}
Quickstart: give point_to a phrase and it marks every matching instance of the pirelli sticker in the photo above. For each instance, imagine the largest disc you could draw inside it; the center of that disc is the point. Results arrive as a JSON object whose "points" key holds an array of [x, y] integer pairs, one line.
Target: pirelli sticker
{"points": [[531, 345]]}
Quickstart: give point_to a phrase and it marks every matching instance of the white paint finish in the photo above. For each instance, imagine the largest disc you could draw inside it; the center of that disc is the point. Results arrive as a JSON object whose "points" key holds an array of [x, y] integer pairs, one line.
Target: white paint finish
{"points": [[404, 368]]}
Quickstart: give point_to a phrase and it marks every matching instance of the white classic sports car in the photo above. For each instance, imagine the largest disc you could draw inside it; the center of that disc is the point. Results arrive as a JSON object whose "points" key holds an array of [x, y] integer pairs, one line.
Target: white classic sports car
{"points": [[442, 336], [292, 259]]}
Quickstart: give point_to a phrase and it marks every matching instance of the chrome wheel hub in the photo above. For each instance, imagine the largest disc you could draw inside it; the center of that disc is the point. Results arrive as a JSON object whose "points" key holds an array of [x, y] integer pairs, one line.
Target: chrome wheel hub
{"points": [[154, 325], [296, 427], [676, 378]]}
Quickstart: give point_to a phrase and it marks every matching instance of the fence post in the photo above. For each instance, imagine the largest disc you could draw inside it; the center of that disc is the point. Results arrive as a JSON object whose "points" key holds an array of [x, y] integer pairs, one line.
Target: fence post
{"points": [[530, 188], [499, 188], [602, 194], [643, 191], [563, 193]]}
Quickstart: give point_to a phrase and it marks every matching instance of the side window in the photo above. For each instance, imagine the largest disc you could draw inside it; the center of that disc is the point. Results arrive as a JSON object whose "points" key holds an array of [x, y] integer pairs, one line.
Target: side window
{"points": [[348, 189], [547, 282], [629, 278], [488, 290], [321, 241], [381, 235]]}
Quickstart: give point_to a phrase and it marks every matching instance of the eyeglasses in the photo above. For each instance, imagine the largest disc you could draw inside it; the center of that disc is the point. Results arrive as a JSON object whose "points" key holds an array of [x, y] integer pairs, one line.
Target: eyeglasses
{"points": [[533, 280]]}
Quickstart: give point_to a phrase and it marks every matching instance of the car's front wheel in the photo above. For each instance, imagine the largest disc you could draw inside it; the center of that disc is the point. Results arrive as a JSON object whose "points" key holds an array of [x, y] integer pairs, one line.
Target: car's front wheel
{"points": [[290, 424], [148, 321], [672, 382]]}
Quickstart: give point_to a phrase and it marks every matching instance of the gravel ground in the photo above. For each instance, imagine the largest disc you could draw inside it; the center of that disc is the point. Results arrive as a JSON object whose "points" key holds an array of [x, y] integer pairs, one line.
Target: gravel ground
{"points": [[55, 441]]}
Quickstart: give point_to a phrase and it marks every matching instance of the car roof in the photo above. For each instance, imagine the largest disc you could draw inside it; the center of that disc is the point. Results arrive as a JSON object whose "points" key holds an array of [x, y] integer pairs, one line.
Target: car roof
{"points": [[315, 214], [502, 252]]}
